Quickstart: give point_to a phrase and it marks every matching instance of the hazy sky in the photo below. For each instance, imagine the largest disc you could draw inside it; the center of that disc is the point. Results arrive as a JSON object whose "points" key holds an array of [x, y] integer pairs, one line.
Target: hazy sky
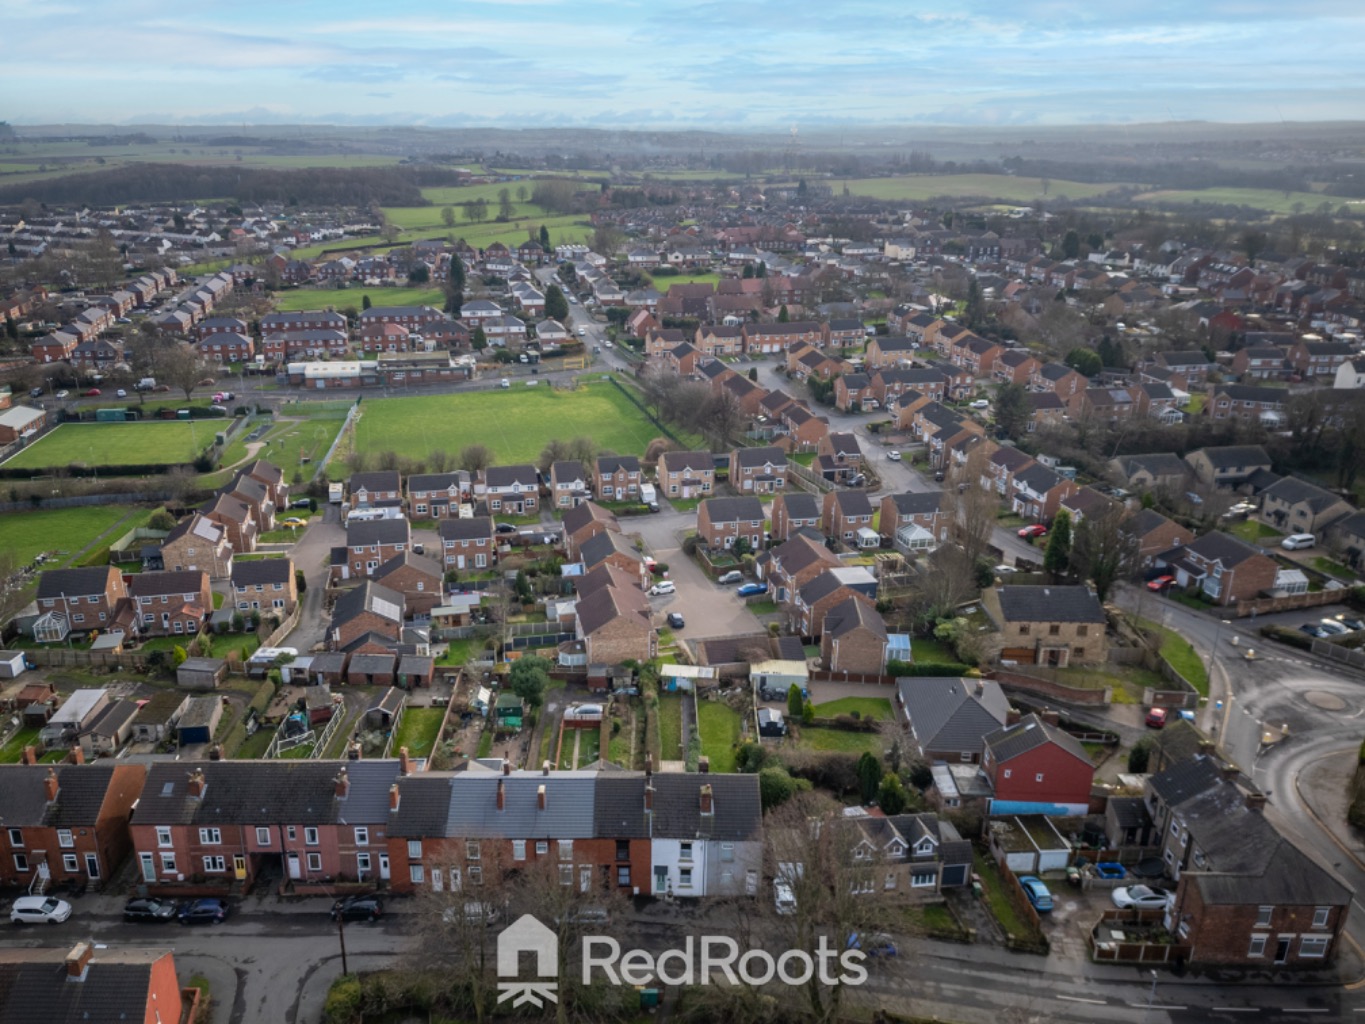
{"points": [[673, 63]]}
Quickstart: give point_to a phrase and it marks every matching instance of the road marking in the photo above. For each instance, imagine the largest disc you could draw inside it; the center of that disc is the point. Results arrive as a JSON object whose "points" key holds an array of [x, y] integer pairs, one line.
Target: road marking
{"points": [[1158, 1006], [1236, 1009], [1082, 999], [1316, 1010]]}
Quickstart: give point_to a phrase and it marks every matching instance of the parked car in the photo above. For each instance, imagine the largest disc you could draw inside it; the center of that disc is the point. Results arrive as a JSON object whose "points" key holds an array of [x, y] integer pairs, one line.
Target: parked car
{"points": [[92, 393], [204, 911], [733, 576], [751, 589], [293, 522], [1143, 897], [207, 382], [1156, 718], [35, 392], [873, 943], [1313, 629], [980, 403], [1333, 628], [161, 387], [532, 383], [1037, 893], [1298, 541], [505, 528], [148, 910], [1351, 624], [676, 620], [504, 383], [653, 506], [64, 394], [894, 455], [1004, 570], [369, 907], [221, 409], [121, 393], [474, 912], [301, 503], [39, 910], [1160, 583], [1033, 530], [662, 587]]}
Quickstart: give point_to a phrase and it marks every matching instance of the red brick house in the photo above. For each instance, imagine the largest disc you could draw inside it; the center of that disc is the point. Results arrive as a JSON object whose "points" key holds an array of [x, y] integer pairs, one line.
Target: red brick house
{"points": [[810, 604], [1034, 767], [723, 521], [235, 516], [1151, 533], [803, 426], [853, 392], [792, 511], [91, 981], [889, 351], [467, 544], [717, 340], [1015, 366], [758, 470], [379, 489], [366, 611], [438, 495], [914, 509], [417, 578], [84, 599], [853, 638], [265, 586], [769, 339], [369, 544], [614, 619], [1060, 379], [686, 475], [583, 522], [618, 478], [513, 490], [844, 514], [171, 603], [1225, 568], [794, 563], [71, 819], [226, 348], [569, 484]]}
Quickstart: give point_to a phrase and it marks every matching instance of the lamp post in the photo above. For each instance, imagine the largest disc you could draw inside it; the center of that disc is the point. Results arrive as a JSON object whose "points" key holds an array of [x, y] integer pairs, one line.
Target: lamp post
{"points": [[1151, 999]]}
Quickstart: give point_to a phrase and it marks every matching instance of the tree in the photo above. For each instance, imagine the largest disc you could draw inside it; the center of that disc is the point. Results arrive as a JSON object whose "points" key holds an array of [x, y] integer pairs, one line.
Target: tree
{"points": [[1139, 756], [419, 274], [869, 775], [1058, 554], [475, 458], [1084, 361], [1111, 352], [971, 508], [1071, 245], [522, 587], [181, 367], [776, 786], [448, 216], [365, 302], [721, 419], [783, 316], [455, 281], [478, 341], [891, 795], [975, 312], [556, 305], [1012, 409], [161, 519], [504, 204], [1103, 553], [606, 239], [529, 679], [545, 238], [795, 702]]}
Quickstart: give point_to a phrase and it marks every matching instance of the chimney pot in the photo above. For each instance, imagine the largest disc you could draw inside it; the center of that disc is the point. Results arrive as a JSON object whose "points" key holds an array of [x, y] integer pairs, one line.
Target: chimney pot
{"points": [[1230, 773], [1256, 802], [502, 795], [649, 796], [704, 764], [545, 767], [394, 797], [540, 797], [30, 755], [980, 686], [78, 960], [404, 761], [197, 784], [50, 785], [1206, 747], [649, 765], [77, 755], [343, 784]]}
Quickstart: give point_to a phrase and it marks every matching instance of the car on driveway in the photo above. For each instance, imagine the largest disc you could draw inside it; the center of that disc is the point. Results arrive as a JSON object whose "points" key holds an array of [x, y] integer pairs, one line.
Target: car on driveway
{"points": [[676, 620], [1033, 530], [293, 522], [873, 943], [980, 403], [1037, 893], [1142, 897], [752, 589], [733, 576], [1313, 630], [39, 910], [358, 908], [1160, 583], [1004, 570], [1156, 718], [662, 587], [1333, 628], [506, 528], [148, 910], [204, 911]]}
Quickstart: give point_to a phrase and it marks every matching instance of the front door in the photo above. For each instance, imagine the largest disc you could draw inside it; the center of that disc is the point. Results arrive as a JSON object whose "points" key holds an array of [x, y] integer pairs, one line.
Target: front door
{"points": [[239, 866], [294, 865], [383, 867], [660, 880], [148, 867], [92, 866], [1282, 949]]}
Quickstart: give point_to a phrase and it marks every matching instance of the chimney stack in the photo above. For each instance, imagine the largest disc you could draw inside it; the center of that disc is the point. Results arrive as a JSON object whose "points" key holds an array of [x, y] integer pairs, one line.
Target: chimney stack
{"points": [[343, 784], [50, 785], [197, 784], [30, 755], [706, 806], [1206, 747], [1230, 772], [545, 767], [216, 752], [1012, 716], [1051, 718], [540, 798], [980, 687], [404, 761], [502, 796], [506, 767], [78, 961], [394, 797], [77, 755], [704, 764], [1256, 802], [649, 797], [649, 765]]}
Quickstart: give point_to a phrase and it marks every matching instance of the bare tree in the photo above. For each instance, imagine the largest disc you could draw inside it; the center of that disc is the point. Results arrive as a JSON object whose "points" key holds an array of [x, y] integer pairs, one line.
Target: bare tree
{"points": [[723, 420], [1102, 552], [475, 458], [971, 507], [181, 367]]}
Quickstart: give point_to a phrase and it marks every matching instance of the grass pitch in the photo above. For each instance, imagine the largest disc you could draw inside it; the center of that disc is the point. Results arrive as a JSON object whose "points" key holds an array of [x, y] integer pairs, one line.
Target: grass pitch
{"points": [[161, 442]]}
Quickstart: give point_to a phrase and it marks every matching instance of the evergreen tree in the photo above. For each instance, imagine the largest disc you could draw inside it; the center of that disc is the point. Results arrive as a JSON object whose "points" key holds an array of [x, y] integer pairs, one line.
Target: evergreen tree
{"points": [[783, 316], [365, 302], [1058, 555], [545, 238]]}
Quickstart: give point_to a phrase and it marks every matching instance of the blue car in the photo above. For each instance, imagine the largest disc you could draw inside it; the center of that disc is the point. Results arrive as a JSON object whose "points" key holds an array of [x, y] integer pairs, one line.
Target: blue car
{"points": [[873, 943], [205, 911], [751, 589], [1037, 893]]}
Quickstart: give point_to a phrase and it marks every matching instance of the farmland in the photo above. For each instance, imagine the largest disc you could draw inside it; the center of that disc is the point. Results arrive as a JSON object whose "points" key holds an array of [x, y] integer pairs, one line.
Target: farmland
{"points": [[515, 425], [118, 444], [28, 534], [919, 187]]}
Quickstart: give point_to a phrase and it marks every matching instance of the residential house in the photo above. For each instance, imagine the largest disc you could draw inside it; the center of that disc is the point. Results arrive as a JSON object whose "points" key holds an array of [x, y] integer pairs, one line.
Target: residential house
{"points": [[903, 856], [265, 586], [853, 638], [197, 543], [1016, 366], [910, 381], [611, 547], [793, 511], [1155, 471], [467, 544], [719, 340], [256, 496], [803, 428], [1060, 379], [1038, 492], [618, 478], [95, 982], [1102, 405], [226, 348], [771, 338], [1247, 402], [722, 522], [369, 544], [1225, 568], [853, 392], [1293, 505], [614, 617], [378, 489], [1348, 536], [914, 520], [1316, 358], [1350, 375], [170, 603], [582, 523], [1158, 401], [438, 495], [366, 612], [77, 601], [795, 562], [888, 351], [1153, 533], [511, 490], [686, 475], [846, 516], [758, 470], [948, 718], [1045, 409], [1191, 364], [568, 484], [237, 519], [1035, 767], [1048, 625], [1228, 466], [812, 602], [1259, 362], [417, 577]]}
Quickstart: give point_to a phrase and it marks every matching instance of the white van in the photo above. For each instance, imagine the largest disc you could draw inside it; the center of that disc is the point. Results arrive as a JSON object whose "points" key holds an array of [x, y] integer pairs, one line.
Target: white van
{"points": [[1298, 541]]}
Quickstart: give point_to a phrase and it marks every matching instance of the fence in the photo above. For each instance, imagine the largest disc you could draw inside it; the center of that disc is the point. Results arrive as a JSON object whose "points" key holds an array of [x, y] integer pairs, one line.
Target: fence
{"points": [[1049, 688], [635, 401], [817, 676], [1327, 649], [350, 420], [285, 628], [1110, 943], [1288, 603], [799, 474]]}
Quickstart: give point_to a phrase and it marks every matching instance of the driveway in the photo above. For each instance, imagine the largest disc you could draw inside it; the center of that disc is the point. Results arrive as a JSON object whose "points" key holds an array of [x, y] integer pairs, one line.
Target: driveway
{"points": [[313, 554]]}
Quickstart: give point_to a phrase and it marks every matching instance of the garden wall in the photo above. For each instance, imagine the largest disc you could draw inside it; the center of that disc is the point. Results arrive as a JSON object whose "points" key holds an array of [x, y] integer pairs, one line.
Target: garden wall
{"points": [[1048, 688]]}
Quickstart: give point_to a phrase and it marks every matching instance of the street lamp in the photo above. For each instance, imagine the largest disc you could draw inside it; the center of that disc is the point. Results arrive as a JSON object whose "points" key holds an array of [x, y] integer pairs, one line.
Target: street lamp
{"points": [[1151, 998]]}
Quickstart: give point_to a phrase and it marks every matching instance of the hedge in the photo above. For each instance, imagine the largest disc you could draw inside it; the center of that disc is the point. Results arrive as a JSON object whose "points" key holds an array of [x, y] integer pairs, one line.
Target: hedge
{"points": [[947, 668]]}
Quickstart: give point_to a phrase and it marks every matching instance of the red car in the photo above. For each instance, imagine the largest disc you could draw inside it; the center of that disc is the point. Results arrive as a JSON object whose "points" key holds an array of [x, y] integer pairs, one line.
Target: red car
{"points": [[1160, 583], [92, 393], [1156, 718], [1036, 530]]}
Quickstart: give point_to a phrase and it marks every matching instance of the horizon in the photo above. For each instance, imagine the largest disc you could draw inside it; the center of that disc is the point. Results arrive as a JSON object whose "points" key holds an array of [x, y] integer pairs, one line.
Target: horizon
{"points": [[678, 65]]}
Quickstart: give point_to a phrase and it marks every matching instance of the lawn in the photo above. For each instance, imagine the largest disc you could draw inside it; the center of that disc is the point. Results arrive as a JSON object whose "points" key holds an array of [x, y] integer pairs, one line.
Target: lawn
{"points": [[1182, 656], [300, 753], [928, 651], [244, 644], [840, 741], [299, 299], [878, 708], [663, 282], [253, 749], [1331, 568], [1196, 403], [417, 731], [720, 728], [993, 886], [917, 187], [12, 751], [160, 442], [29, 534], [670, 726], [1253, 531], [516, 425]]}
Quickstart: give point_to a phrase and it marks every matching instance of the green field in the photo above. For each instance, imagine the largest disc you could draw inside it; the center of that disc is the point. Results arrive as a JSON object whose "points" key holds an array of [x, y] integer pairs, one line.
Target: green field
{"points": [[918, 187], [1270, 200], [28, 534], [299, 299], [118, 444], [663, 281], [515, 424]]}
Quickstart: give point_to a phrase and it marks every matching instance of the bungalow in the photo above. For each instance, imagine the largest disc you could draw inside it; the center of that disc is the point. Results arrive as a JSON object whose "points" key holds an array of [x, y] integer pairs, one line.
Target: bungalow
{"points": [[948, 718]]}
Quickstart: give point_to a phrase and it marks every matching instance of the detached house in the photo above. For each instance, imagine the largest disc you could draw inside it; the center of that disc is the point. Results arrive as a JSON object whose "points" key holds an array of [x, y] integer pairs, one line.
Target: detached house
{"points": [[793, 511], [1151, 533], [512, 490], [853, 638], [1225, 568], [583, 522], [77, 601], [438, 495], [416, 577], [948, 719], [723, 521], [369, 544], [1292, 505], [618, 478], [686, 475], [614, 617], [914, 521], [365, 613], [171, 603], [1246, 402], [758, 470], [1229, 466], [568, 484], [1034, 767], [1049, 625], [467, 544], [847, 516], [264, 586], [794, 563], [197, 543], [380, 489]]}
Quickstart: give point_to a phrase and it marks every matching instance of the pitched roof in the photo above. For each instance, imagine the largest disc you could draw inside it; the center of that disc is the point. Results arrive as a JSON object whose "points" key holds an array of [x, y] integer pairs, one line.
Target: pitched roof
{"points": [[472, 528], [185, 581], [755, 458], [949, 713], [850, 614], [372, 532], [116, 988], [407, 559], [917, 503], [80, 795], [379, 480], [1050, 604], [369, 597], [799, 504], [506, 476], [1143, 522], [732, 510], [852, 503], [55, 583], [1185, 779], [1029, 733], [1292, 490], [601, 546], [263, 571], [1224, 548], [1235, 456], [587, 512]]}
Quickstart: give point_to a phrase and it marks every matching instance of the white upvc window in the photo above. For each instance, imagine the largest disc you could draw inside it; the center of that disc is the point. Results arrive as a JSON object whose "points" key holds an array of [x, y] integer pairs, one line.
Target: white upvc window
{"points": [[65, 839], [210, 836], [262, 836], [362, 836], [163, 836]]}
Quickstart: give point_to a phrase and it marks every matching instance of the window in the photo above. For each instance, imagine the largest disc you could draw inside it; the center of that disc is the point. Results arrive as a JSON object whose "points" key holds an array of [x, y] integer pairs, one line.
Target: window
{"points": [[214, 863], [1038, 777], [1082, 629], [362, 836], [1257, 947], [542, 847], [476, 875], [1007, 772], [518, 849], [210, 836], [315, 862], [566, 874], [684, 851], [1320, 916], [168, 863], [922, 880], [1024, 628], [163, 836], [684, 878], [471, 849], [416, 874], [362, 863], [262, 837], [727, 852], [293, 833], [20, 862], [69, 862], [566, 849], [1054, 630], [415, 849], [64, 838], [1313, 946], [310, 836], [1263, 916]]}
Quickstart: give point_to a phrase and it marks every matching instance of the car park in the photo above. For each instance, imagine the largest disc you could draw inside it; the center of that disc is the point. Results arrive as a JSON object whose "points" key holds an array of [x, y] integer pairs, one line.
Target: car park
{"points": [[1038, 894], [1351, 624], [1142, 897], [1033, 530], [733, 576], [676, 620], [662, 587], [39, 910], [752, 589], [204, 911], [369, 907], [1160, 583], [1156, 718], [149, 910]]}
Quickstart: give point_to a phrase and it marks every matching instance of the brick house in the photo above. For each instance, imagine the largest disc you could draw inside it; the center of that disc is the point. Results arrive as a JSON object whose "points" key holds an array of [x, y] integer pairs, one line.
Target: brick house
{"points": [[1153, 470], [1015, 366], [686, 475], [257, 497], [583, 522], [892, 383], [1048, 625], [417, 577], [948, 718], [1060, 379], [1191, 364], [438, 495], [380, 489], [844, 515], [610, 547], [853, 638], [758, 470], [1152, 533], [226, 348], [365, 611], [614, 617], [569, 484], [772, 338], [20, 421], [792, 511], [1319, 358], [888, 351], [723, 521], [1225, 568], [1291, 505], [1228, 466], [196, 542], [369, 544], [1259, 362], [84, 599], [803, 427], [237, 520], [171, 603], [306, 320], [717, 340], [88, 981], [910, 511], [792, 564], [71, 819], [512, 490], [853, 392], [271, 477], [1037, 492], [1034, 767], [267, 585], [842, 447], [1247, 402], [617, 477], [467, 544], [225, 822], [811, 603], [1045, 409]]}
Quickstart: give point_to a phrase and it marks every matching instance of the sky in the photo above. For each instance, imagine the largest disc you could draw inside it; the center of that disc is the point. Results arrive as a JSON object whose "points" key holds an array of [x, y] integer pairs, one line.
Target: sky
{"points": [[675, 64]]}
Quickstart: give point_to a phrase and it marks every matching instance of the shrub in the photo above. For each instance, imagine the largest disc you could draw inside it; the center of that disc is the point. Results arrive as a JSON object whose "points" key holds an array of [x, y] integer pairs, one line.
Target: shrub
{"points": [[343, 1001]]}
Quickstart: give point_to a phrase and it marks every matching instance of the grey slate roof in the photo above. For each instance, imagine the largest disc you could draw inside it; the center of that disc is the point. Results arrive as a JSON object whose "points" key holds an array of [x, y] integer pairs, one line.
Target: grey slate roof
{"points": [[466, 529], [264, 571], [755, 458], [1185, 779], [1129, 811], [80, 794], [116, 989], [367, 597], [73, 582], [1236, 455], [677, 806], [913, 503], [1029, 733], [801, 505], [1224, 548], [1050, 604], [851, 503], [949, 714], [1143, 522], [730, 510], [379, 480], [377, 531], [1292, 490]]}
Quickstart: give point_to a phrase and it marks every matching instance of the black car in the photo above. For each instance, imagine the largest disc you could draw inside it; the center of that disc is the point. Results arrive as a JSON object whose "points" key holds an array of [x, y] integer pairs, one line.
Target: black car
{"points": [[148, 910], [506, 528], [358, 908], [205, 911], [675, 619]]}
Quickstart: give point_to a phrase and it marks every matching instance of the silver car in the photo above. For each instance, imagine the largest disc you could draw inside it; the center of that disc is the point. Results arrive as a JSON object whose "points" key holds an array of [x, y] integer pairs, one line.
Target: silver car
{"points": [[39, 910]]}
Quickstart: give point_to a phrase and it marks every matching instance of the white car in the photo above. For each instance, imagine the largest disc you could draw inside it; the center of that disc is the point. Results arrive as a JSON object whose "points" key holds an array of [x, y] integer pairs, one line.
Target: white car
{"points": [[532, 383], [980, 403], [1003, 569], [62, 394], [1143, 897], [121, 393], [39, 910], [662, 587], [894, 455], [504, 383]]}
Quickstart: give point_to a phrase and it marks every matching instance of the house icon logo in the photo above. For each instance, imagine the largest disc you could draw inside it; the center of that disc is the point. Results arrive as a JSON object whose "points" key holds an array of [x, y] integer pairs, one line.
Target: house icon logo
{"points": [[528, 935]]}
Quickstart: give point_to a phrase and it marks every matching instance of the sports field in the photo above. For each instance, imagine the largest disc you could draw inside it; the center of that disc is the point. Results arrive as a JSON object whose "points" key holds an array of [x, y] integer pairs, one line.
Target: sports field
{"points": [[162, 442], [299, 299], [28, 534], [515, 424]]}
